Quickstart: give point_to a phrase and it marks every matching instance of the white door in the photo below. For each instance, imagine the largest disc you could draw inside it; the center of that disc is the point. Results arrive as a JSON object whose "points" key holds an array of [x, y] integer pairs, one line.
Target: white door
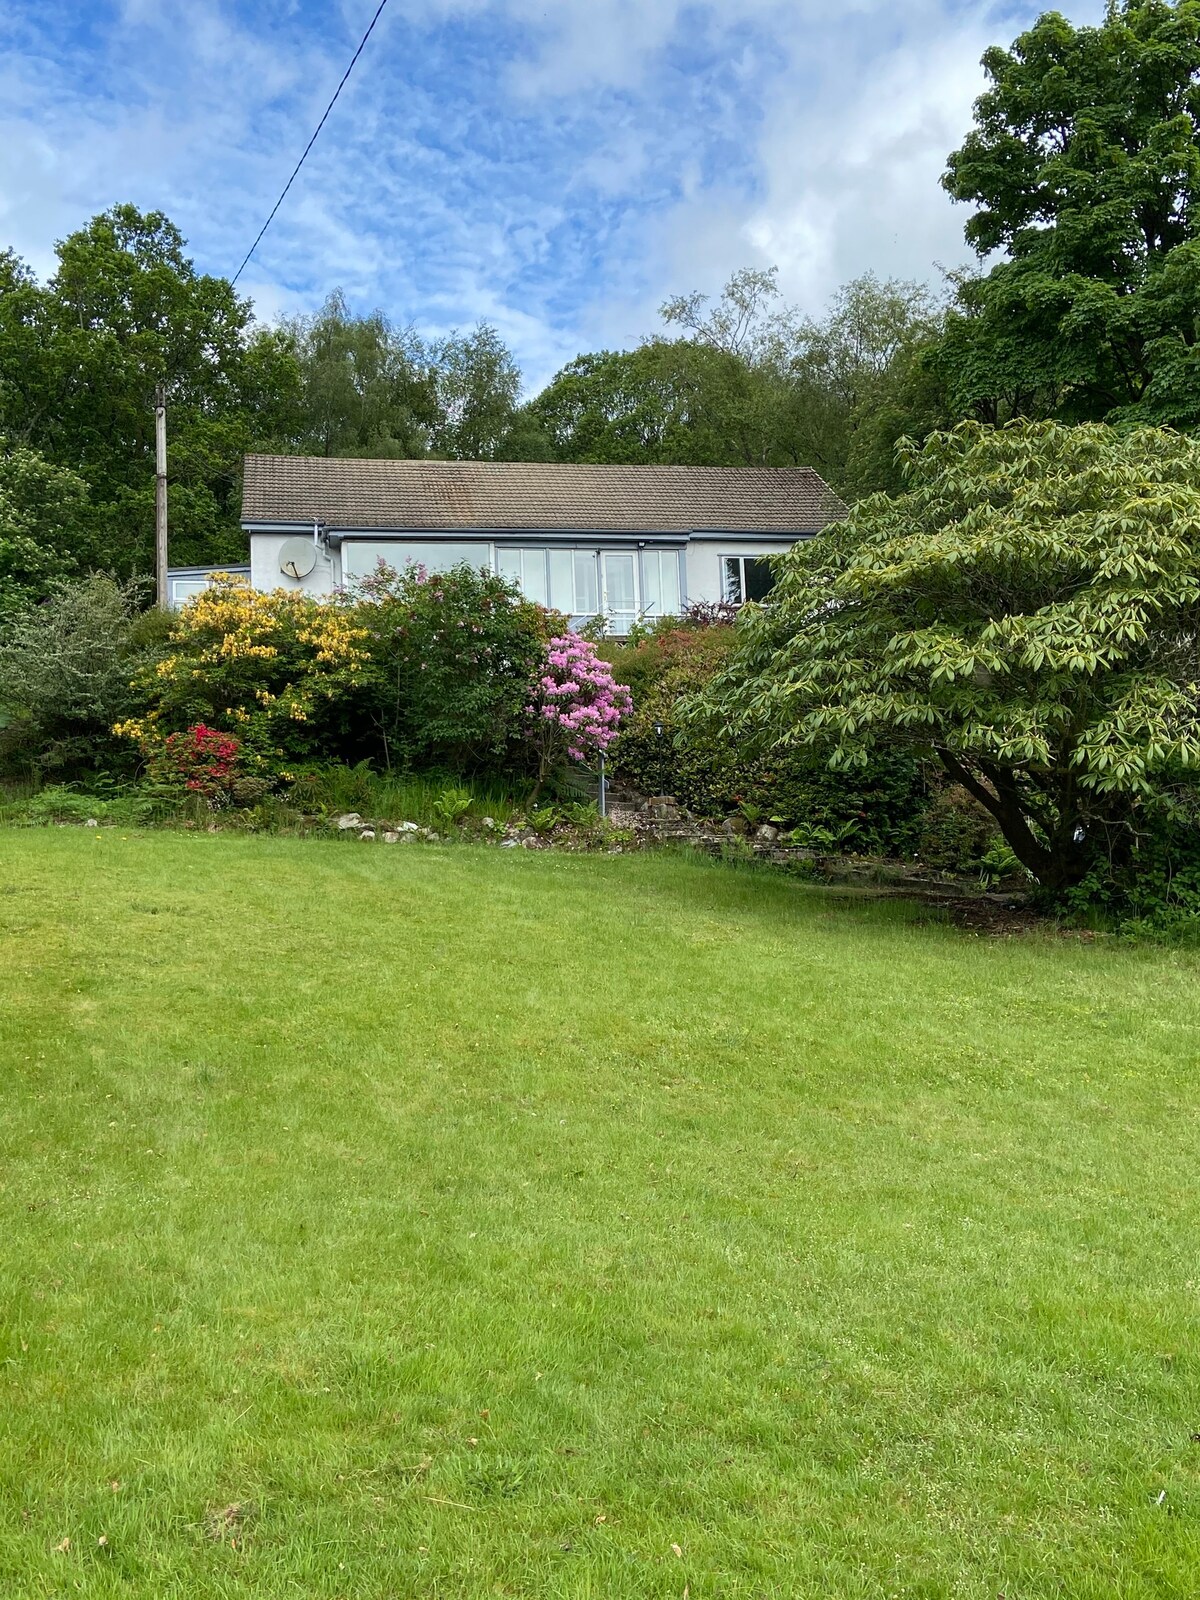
{"points": [[620, 590]]}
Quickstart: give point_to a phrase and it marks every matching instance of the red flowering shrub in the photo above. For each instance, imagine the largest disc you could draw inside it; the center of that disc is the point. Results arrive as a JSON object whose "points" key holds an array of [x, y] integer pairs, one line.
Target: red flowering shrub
{"points": [[202, 760]]}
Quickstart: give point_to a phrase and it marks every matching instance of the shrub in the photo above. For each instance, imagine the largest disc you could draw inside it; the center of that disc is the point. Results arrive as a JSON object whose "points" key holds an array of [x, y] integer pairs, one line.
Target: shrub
{"points": [[65, 670], [275, 670], [43, 526], [576, 707], [956, 834], [451, 806], [199, 761], [876, 811], [451, 658]]}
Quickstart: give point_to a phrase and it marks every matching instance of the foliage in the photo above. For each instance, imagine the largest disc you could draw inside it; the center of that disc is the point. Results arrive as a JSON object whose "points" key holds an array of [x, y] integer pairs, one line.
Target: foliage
{"points": [[200, 760], [1153, 890], [577, 706], [1084, 165], [65, 669], [43, 526], [364, 385], [1028, 611], [452, 805], [754, 382], [273, 669], [629, 406], [451, 658], [80, 358], [105, 803], [955, 833], [878, 811], [329, 789], [477, 385]]}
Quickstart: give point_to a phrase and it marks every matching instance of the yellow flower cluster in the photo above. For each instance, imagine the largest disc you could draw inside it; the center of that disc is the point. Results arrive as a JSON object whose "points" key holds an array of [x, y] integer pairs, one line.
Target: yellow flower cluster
{"points": [[230, 621]]}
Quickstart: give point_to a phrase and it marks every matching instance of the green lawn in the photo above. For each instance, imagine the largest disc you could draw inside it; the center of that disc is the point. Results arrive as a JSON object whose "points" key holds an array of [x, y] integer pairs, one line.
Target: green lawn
{"points": [[450, 1222]]}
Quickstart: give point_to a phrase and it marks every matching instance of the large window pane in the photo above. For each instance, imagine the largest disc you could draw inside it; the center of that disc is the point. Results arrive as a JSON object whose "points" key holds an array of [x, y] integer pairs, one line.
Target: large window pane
{"points": [[759, 579], [587, 589], [360, 557], [533, 581], [508, 565], [671, 598], [660, 583], [562, 580], [620, 586], [732, 580]]}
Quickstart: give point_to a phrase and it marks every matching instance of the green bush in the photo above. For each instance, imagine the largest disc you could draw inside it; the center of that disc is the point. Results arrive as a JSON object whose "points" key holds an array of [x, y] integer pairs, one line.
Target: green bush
{"points": [[876, 811], [65, 671], [1151, 888], [452, 656], [955, 833]]}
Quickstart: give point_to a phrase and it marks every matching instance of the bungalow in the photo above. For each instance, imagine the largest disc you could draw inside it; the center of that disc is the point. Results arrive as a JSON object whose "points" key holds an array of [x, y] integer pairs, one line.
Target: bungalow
{"points": [[629, 542]]}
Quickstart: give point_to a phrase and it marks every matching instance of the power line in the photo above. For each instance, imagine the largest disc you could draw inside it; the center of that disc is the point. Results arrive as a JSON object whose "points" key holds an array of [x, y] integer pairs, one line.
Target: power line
{"points": [[361, 46]]}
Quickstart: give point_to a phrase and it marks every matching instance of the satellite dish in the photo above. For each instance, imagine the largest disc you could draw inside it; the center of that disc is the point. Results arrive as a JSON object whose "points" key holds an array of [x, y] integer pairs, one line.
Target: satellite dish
{"points": [[297, 558]]}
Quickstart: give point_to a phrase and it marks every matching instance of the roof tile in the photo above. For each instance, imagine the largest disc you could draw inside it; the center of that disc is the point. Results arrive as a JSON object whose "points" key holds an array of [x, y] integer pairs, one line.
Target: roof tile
{"points": [[519, 495]]}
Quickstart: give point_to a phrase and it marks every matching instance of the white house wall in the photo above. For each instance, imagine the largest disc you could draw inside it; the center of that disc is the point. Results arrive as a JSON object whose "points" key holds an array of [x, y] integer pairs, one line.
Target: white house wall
{"points": [[703, 574], [265, 550], [705, 578]]}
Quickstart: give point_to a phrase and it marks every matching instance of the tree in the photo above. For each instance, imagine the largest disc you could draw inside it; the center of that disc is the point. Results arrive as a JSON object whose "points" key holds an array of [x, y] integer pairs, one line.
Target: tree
{"points": [[81, 356], [364, 385], [633, 407], [779, 388], [1084, 165], [452, 656], [45, 528], [1028, 612], [478, 386]]}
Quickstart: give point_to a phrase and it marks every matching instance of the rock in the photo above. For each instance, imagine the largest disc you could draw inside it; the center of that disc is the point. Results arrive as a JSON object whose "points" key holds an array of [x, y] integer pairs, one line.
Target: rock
{"points": [[510, 844], [490, 824], [91, 823], [367, 833], [409, 827], [767, 833], [350, 820], [391, 838]]}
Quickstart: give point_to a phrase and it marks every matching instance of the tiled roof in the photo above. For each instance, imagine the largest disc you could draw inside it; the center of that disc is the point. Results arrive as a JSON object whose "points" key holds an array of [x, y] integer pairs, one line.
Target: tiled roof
{"points": [[499, 495]]}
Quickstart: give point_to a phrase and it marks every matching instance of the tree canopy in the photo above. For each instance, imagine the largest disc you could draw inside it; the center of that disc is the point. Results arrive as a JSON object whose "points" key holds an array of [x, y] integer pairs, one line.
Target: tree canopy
{"points": [[1028, 612], [1084, 168], [755, 382]]}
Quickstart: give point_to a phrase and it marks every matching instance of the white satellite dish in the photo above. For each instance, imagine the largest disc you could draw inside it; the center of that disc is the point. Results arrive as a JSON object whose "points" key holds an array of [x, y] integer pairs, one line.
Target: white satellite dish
{"points": [[297, 558]]}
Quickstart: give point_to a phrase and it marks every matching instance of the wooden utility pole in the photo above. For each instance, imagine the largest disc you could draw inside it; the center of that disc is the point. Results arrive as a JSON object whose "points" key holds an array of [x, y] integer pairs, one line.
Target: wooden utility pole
{"points": [[160, 495]]}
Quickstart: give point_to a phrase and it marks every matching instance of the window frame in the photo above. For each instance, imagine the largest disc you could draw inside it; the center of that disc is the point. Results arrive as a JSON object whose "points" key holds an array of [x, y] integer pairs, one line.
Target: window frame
{"points": [[741, 560]]}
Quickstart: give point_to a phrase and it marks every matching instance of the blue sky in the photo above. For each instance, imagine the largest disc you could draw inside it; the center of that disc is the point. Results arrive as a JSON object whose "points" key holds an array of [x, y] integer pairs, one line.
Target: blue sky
{"points": [[557, 167]]}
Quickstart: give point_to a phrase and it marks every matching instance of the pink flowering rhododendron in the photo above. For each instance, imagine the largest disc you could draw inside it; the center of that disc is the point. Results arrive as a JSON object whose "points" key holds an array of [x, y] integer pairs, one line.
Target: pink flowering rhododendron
{"points": [[576, 707]]}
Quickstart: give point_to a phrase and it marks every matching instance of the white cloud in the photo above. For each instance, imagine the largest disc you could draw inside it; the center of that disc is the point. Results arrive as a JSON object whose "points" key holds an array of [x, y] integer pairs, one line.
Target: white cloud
{"points": [[558, 167]]}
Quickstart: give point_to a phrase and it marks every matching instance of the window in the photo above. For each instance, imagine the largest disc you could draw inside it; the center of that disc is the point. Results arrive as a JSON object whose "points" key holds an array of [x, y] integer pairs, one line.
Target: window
{"points": [[182, 589], [746, 578], [529, 571], [574, 585], [660, 583], [360, 557]]}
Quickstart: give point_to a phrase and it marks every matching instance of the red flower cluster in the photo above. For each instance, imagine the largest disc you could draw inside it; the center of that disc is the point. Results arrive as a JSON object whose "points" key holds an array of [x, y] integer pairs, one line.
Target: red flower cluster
{"points": [[203, 759]]}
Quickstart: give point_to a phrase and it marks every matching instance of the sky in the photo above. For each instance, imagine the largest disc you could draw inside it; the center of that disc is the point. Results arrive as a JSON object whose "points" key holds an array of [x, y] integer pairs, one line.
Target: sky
{"points": [[555, 167]]}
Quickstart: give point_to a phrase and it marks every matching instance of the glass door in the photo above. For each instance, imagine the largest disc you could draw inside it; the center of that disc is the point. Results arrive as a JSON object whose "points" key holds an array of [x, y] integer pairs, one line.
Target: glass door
{"points": [[620, 603]]}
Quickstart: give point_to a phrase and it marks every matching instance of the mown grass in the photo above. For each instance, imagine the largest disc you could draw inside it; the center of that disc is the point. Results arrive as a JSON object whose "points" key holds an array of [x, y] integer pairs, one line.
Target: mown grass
{"points": [[432, 1222]]}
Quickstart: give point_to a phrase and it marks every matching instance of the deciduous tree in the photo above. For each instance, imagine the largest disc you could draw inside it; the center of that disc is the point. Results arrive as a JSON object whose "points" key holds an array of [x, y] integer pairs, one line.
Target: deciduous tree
{"points": [[1084, 168], [1028, 611]]}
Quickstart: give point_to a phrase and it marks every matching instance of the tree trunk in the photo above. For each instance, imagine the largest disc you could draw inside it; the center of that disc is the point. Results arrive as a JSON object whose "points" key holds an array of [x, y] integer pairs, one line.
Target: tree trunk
{"points": [[1058, 862]]}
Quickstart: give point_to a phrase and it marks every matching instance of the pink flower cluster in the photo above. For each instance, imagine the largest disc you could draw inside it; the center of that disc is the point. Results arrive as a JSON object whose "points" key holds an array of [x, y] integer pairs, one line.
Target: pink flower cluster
{"points": [[577, 705]]}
